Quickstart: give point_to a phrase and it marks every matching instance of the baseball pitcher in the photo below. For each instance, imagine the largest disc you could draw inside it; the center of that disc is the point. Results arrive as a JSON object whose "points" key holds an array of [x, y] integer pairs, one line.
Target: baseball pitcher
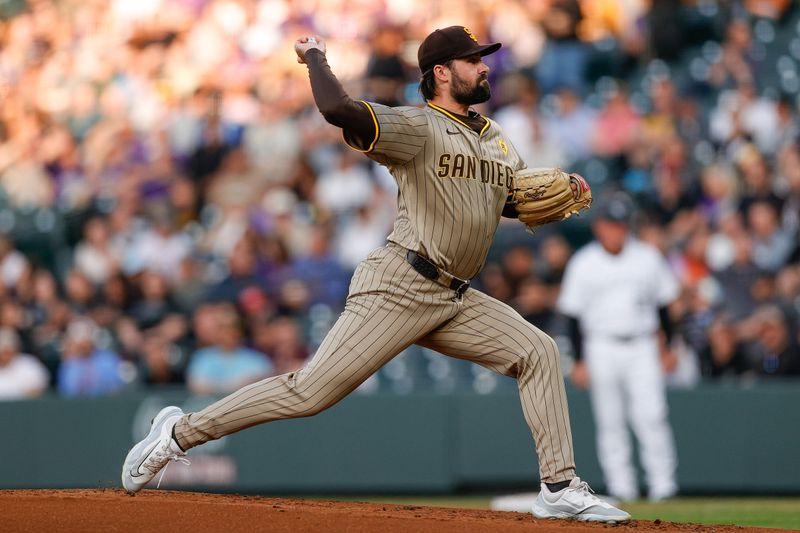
{"points": [[457, 174]]}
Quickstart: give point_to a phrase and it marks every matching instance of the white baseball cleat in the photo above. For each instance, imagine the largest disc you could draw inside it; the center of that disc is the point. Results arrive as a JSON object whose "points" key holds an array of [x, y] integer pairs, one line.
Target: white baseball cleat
{"points": [[577, 502], [153, 452]]}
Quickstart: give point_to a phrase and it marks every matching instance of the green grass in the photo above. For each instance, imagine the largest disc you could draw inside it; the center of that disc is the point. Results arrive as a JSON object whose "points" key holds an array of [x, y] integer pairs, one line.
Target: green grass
{"points": [[761, 512]]}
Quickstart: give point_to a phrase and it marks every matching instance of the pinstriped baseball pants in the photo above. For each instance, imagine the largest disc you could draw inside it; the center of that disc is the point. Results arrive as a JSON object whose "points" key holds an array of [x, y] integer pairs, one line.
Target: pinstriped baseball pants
{"points": [[390, 306]]}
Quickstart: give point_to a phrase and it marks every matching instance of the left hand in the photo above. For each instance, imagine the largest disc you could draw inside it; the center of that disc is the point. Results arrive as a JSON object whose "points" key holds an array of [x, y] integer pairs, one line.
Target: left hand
{"points": [[544, 195], [669, 361]]}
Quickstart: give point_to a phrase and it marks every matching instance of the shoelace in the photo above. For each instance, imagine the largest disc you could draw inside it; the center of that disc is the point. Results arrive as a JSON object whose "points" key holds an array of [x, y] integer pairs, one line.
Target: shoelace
{"points": [[584, 488], [160, 461]]}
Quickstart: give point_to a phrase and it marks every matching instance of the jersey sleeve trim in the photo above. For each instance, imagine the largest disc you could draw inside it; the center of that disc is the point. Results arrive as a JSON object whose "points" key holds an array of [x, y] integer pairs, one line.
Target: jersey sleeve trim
{"points": [[452, 116], [377, 131]]}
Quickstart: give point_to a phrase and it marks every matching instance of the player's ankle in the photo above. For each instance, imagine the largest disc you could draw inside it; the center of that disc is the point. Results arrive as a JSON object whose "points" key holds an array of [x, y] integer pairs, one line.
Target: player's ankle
{"points": [[558, 486]]}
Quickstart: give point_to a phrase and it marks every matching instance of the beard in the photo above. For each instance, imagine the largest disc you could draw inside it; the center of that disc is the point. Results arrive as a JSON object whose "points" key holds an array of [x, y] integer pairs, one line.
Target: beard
{"points": [[466, 94]]}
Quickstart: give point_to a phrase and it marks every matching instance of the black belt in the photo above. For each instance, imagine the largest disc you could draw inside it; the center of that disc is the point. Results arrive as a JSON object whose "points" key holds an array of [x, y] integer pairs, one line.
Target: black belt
{"points": [[628, 338], [432, 272]]}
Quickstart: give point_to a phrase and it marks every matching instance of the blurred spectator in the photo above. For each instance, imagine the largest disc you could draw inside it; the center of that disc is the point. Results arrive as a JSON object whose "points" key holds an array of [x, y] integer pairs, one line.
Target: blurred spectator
{"points": [[737, 280], [385, 72], [618, 125], [154, 314], [319, 271], [696, 310], [227, 364], [25, 181], [742, 115], [690, 264], [232, 190], [660, 123], [776, 350], [555, 252], [724, 355], [757, 179], [719, 192], [789, 172], [242, 275], [667, 36], [518, 265], [787, 288], [521, 121], [113, 301], [346, 187], [95, 256], [81, 294], [772, 245], [160, 248], [207, 158], [788, 128], [162, 362], [737, 62], [86, 369], [535, 303], [495, 284], [563, 62], [21, 375], [361, 234], [773, 9], [13, 264], [571, 125], [282, 340]]}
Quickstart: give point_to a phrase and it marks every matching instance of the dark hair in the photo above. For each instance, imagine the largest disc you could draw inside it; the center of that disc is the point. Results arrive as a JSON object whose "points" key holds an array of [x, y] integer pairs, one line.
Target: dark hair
{"points": [[427, 84]]}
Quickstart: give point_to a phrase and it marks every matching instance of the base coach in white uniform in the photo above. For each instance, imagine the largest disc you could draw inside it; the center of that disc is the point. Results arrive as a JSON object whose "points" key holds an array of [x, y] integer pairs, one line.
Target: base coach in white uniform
{"points": [[615, 294]]}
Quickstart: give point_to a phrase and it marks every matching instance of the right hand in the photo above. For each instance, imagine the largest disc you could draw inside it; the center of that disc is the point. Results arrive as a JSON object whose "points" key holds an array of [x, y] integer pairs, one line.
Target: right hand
{"points": [[304, 44], [580, 375]]}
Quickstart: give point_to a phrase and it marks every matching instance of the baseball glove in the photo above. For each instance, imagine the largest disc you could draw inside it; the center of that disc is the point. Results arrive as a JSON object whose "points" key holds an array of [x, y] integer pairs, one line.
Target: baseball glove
{"points": [[543, 195]]}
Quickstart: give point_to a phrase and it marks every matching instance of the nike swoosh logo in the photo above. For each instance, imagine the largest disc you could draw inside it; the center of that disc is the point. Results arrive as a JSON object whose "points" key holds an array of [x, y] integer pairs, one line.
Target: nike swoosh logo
{"points": [[452, 132], [136, 472]]}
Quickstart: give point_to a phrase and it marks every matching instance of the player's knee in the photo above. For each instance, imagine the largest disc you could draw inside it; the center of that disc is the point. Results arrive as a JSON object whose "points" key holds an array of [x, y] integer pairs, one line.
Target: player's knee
{"points": [[310, 408], [540, 352]]}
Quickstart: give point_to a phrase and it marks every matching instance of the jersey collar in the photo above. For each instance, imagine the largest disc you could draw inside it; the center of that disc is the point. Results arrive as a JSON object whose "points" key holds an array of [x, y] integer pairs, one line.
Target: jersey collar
{"points": [[454, 117]]}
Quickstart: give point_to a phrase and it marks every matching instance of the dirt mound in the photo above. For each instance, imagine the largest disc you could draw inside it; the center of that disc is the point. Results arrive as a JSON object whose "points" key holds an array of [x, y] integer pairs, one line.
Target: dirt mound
{"points": [[85, 511]]}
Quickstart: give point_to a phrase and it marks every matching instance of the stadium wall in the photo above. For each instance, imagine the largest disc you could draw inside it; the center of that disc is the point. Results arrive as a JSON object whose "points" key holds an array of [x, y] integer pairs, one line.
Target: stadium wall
{"points": [[729, 439]]}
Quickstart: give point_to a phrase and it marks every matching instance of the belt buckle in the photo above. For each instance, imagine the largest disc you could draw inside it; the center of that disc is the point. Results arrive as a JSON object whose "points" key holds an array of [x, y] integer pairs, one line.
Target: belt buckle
{"points": [[462, 288]]}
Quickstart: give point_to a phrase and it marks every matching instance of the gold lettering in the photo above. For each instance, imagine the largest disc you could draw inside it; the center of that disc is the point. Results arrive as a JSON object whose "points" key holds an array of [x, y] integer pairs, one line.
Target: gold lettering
{"points": [[444, 165]]}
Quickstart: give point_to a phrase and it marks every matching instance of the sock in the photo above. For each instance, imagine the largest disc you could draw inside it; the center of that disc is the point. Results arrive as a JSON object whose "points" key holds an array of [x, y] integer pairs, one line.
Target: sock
{"points": [[176, 439], [555, 487]]}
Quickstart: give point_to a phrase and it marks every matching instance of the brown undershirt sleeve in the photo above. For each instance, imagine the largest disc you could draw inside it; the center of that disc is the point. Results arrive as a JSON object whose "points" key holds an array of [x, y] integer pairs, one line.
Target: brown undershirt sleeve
{"points": [[334, 103]]}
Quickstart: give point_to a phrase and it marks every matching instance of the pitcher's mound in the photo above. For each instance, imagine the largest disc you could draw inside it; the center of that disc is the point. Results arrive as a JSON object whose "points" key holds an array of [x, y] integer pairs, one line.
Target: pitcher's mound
{"points": [[87, 511]]}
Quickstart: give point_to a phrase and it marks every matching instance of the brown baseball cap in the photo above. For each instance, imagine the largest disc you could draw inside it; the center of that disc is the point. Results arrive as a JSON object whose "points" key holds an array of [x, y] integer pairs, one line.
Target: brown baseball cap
{"points": [[453, 42]]}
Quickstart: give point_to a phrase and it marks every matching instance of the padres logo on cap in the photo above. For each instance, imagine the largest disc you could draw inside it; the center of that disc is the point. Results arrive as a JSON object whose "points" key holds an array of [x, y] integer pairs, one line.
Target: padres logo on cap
{"points": [[471, 35]]}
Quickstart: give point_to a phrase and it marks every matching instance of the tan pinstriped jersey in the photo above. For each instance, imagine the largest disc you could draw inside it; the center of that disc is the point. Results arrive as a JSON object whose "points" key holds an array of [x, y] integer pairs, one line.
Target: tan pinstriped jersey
{"points": [[453, 182]]}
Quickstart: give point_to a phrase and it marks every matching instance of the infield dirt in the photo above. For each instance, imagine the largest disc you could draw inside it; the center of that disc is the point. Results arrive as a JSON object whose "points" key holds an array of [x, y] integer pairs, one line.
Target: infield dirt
{"points": [[88, 511]]}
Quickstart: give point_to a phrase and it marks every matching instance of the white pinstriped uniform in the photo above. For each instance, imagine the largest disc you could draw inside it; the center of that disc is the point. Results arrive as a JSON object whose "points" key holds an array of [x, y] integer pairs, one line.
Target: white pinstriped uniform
{"points": [[453, 183]]}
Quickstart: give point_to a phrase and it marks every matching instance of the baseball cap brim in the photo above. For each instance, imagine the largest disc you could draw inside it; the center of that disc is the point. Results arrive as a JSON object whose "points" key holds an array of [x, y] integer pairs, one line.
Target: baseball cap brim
{"points": [[483, 50]]}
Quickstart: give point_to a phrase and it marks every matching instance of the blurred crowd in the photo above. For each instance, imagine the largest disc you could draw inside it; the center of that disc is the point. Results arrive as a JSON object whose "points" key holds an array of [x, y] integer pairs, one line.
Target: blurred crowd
{"points": [[173, 209]]}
